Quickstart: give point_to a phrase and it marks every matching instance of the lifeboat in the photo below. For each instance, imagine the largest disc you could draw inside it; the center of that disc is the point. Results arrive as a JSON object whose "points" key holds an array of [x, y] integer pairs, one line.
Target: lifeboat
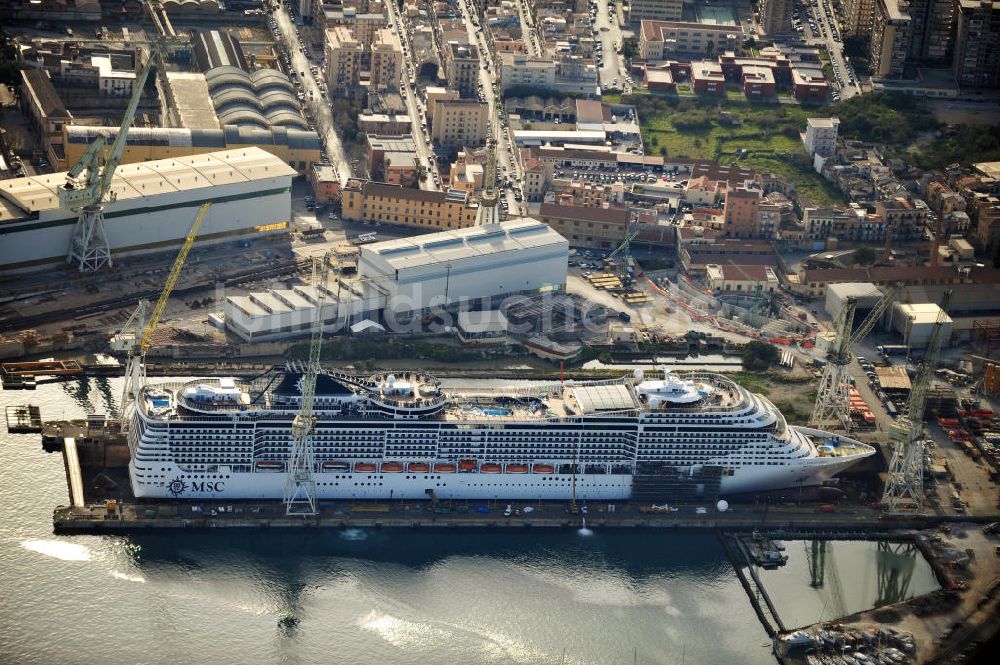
{"points": [[444, 468], [336, 466], [490, 467], [467, 465], [364, 467], [542, 468], [270, 466], [517, 468], [392, 467], [418, 467]]}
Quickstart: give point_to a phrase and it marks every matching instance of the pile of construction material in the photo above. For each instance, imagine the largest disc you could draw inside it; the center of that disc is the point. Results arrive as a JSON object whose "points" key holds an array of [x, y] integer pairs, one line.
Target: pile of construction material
{"points": [[861, 413]]}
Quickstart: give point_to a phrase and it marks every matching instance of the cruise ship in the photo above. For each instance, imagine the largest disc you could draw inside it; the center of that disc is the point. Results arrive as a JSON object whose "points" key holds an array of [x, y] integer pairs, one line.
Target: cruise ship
{"points": [[404, 436]]}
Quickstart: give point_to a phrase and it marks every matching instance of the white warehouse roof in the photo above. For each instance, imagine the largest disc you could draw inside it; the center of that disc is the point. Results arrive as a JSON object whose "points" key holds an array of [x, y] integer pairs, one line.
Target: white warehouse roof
{"points": [[922, 313], [463, 244], [24, 196], [855, 289]]}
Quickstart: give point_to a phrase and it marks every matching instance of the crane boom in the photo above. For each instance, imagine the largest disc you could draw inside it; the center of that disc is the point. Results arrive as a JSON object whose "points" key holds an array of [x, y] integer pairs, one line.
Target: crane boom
{"points": [[300, 487], [136, 335], [175, 273], [888, 297]]}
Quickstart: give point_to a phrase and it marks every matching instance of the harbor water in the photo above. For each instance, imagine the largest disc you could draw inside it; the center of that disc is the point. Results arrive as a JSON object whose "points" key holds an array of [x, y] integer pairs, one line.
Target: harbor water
{"points": [[354, 596]]}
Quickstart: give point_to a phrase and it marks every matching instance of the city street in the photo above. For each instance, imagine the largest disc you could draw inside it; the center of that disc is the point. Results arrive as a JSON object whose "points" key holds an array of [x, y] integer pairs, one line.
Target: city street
{"points": [[317, 102], [416, 109], [612, 67], [529, 30], [507, 165], [826, 21]]}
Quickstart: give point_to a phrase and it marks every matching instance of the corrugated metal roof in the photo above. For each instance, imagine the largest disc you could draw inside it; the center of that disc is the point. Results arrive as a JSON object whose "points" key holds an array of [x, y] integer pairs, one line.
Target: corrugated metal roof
{"points": [[462, 244], [36, 193]]}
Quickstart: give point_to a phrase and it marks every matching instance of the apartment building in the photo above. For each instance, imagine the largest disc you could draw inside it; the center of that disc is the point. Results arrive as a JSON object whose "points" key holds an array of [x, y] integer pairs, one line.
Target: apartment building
{"points": [[517, 69], [586, 227], [857, 17], [461, 66], [741, 212], [977, 44], [663, 39], [657, 10], [890, 40], [343, 60], [386, 61], [841, 223], [932, 25], [392, 204], [906, 217], [776, 16], [459, 122], [821, 136]]}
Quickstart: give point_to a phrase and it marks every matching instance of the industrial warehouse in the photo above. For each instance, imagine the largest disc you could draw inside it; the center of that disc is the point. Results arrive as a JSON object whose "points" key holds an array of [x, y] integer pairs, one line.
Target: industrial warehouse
{"points": [[152, 207], [400, 277]]}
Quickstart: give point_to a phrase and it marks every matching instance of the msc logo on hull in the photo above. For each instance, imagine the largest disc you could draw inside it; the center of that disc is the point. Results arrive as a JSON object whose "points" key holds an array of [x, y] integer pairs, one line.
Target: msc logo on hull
{"points": [[178, 487]]}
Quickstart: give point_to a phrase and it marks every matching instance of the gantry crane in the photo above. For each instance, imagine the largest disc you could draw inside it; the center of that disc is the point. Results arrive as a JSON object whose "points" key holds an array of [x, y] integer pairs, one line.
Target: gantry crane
{"points": [[136, 336], [832, 398], [904, 486], [300, 486]]}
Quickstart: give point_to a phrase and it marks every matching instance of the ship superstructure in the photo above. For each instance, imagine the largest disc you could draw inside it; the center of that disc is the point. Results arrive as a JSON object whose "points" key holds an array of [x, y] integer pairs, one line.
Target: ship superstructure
{"points": [[404, 436]]}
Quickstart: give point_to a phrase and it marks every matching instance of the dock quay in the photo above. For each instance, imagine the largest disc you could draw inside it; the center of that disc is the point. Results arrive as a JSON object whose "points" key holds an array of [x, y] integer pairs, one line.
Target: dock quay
{"points": [[40, 368], [137, 515], [24, 419]]}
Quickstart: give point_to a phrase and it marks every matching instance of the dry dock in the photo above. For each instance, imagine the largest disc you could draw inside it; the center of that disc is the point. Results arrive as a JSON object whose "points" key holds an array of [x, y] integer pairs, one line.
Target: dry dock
{"points": [[95, 456]]}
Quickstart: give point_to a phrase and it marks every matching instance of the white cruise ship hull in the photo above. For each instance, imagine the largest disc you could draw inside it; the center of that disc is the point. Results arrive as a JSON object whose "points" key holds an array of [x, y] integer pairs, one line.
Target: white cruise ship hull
{"points": [[263, 485], [675, 437]]}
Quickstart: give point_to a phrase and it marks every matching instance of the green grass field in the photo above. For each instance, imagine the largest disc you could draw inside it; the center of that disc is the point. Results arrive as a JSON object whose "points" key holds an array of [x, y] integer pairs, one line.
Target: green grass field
{"points": [[768, 132]]}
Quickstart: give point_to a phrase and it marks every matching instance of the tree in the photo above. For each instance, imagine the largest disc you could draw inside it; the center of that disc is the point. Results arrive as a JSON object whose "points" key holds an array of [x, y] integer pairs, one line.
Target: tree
{"points": [[856, 46], [758, 356], [630, 47], [865, 256]]}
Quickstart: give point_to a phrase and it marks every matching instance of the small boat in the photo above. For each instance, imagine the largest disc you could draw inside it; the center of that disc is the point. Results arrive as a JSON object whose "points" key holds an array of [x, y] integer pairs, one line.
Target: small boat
{"points": [[392, 467], [336, 466], [418, 467], [364, 467], [269, 466], [542, 468], [517, 468], [444, 468], [467, 465], [490, 467]]}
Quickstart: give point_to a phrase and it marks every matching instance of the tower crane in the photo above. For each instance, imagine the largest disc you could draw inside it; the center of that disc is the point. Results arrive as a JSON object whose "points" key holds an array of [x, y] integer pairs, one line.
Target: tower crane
{"points": [[136, 336], [300, 487], [88, 184], [832, 398], [904, 487]]}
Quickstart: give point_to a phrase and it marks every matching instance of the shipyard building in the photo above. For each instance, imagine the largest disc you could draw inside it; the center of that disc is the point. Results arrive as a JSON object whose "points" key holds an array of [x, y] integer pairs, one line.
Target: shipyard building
{"points": [[397, 278], [153, 206]]}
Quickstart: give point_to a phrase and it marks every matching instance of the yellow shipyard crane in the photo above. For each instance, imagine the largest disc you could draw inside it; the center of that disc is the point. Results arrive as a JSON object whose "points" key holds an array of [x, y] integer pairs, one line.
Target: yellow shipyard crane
{"points": [[136, 336]]}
